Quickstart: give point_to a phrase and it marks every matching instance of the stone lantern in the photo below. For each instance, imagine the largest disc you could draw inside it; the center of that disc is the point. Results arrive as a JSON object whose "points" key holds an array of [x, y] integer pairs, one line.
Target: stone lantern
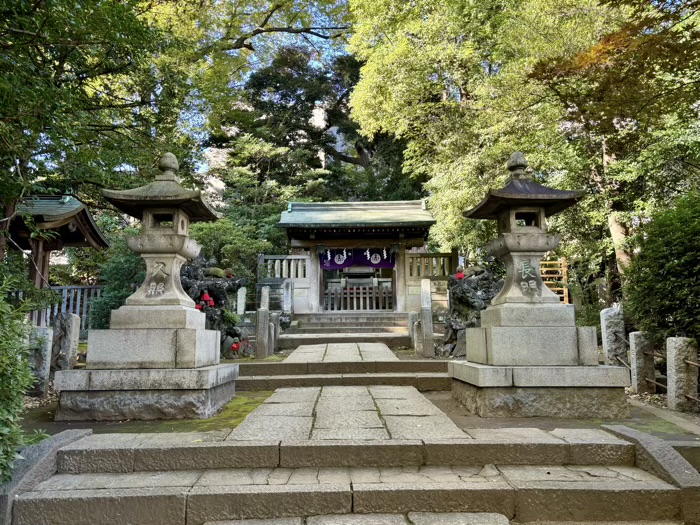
{"points": [[528, 357], [157, 360], [521, 209]]}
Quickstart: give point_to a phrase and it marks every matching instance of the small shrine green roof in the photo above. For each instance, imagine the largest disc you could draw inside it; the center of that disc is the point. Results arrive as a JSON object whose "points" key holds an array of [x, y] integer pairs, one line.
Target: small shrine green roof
{"points": [[356, 214], [66, 215], [51, 208]]}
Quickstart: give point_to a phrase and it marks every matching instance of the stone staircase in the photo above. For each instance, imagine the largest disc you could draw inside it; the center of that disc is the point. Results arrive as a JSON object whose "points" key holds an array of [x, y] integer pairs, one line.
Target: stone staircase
{"points": [[344, 364], [390, 328], [425, 374], [495, 475]]}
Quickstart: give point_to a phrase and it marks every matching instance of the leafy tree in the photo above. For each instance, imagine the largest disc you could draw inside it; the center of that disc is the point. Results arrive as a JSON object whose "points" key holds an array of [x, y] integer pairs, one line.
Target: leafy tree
{"points": [[93, 92], [290, 125], [231, 245], [662, 291], [15, 374], [467, 83]]}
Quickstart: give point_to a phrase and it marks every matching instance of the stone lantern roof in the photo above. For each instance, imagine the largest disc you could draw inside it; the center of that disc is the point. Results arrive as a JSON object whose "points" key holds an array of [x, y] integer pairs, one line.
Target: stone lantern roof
{"points": [[521, 190], [163, 192]]}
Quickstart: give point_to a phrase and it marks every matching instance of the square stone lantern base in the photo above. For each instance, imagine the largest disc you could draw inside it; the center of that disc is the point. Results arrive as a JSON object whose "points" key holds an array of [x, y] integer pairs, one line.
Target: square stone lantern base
{"points": [[113, 395], [155, 362], [541, 391], [531, 360]]}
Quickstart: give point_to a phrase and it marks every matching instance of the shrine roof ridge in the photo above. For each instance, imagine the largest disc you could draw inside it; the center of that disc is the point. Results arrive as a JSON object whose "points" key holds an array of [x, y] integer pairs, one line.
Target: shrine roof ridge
{"points": [[356, 214], [54, 212]]}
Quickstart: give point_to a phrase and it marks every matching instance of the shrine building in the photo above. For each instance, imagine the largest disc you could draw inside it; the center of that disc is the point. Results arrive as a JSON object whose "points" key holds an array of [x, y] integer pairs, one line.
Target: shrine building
{"points": [[356, 256]]}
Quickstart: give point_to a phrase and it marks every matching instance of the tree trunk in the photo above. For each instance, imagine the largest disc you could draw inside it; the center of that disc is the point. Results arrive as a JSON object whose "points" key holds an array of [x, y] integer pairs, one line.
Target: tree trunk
{"points": [[619, 234], [9, 211]]}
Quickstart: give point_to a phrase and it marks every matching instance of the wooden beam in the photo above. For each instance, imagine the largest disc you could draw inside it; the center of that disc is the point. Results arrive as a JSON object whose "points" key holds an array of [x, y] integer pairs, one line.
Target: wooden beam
{"points": [[355, 243]]}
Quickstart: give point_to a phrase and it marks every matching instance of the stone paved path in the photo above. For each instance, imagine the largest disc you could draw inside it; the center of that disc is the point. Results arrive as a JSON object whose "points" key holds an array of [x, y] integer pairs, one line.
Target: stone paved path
{"points": [[341, 353], [347, 412]]}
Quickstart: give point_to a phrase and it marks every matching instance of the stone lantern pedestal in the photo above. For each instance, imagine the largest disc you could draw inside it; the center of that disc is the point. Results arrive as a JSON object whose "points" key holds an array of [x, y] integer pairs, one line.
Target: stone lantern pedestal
{"points": [[157, 360], [528, 358]]}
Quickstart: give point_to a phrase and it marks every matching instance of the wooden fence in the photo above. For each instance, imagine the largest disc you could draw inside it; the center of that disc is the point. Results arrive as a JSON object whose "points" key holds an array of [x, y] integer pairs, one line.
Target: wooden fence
{"points": [[359, 298], [75, 300], [555, 276], [434, 266]]}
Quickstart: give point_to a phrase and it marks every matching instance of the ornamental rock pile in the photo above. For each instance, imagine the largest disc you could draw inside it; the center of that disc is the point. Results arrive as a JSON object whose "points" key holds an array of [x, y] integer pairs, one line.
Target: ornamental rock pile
{"points": [[468, 297]]}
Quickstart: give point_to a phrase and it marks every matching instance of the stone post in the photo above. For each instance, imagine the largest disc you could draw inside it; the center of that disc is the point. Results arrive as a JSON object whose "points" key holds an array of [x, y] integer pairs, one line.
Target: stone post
{"points": [[240, 300], [413, 318], [66, 331], [682, 379], [401, 279], [642, 365], [418, 337], [276, 329], [314, 276], [612, 326], [426, 315], [288, 296], [262, 335], [41, 342]]}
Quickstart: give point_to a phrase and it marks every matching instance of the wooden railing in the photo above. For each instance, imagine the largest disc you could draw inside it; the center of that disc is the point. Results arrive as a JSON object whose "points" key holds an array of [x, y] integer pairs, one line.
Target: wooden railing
{"points": [[74, 300], [295, 267], [359, 298], [555, 276], [434, 266]]}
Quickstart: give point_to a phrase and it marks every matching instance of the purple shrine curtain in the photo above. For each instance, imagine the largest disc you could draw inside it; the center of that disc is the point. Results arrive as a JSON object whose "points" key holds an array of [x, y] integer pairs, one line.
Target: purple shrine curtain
{"points": [[339, 258]]}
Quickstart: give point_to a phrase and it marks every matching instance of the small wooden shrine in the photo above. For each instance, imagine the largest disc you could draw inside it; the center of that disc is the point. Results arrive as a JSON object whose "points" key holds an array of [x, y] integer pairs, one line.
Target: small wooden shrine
{"points": [[356, 252], [66, 222]]}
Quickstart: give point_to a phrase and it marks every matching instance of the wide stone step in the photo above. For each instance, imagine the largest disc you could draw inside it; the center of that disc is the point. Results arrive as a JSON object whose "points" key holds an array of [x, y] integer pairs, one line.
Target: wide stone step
{"points": [[353, 367], [423, 381], [392, 340], [125, 453], [413, 518], [421, 518], [345, 329], [351, 317], [400, 323], [522, 493]]}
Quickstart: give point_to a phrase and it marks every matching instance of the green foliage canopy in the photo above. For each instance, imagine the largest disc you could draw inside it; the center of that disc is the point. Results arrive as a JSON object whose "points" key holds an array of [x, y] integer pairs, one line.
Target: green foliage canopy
{"points": [[662, 291], [467, 83]]}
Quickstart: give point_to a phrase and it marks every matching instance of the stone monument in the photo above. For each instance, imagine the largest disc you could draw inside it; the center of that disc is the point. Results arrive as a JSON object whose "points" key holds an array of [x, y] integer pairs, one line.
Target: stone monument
{"points": [[528, 358], [157, 360]]}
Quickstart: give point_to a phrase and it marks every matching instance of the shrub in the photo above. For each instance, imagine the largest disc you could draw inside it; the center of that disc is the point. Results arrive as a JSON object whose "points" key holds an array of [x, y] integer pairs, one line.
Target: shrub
{"points": [[15, 375], [121, 274], [662, 285]]}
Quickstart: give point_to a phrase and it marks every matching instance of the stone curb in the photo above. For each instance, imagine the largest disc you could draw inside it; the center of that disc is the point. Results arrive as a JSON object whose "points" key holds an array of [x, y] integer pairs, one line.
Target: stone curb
{"points": [[416, 518], [143, 506], [274, 369], [422, 381], [661, 459], [39, 463], [83, 458], [250, 502]]}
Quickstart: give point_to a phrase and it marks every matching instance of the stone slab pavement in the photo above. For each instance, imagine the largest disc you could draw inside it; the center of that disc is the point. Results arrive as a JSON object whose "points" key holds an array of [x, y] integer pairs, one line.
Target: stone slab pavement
{"points": [[341, 353], [370, 413], [346, 412]]}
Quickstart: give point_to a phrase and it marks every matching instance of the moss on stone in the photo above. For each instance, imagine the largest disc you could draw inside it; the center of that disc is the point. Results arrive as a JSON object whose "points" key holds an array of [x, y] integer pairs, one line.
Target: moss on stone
{"points": [[230, 416]]}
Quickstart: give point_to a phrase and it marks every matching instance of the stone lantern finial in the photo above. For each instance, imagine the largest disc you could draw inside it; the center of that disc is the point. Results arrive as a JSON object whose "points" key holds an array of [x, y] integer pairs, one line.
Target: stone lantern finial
{"points": [[517, 165], [168, 165]]}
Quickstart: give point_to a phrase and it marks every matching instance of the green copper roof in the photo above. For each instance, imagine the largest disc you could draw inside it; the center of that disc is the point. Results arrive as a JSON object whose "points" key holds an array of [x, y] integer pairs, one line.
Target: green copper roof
{"points": [[50, 208], [356, 214], [67, 216]]}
